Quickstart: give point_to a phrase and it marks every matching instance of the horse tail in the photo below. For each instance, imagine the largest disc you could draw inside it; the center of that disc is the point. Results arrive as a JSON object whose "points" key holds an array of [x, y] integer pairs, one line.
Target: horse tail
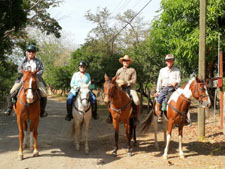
{"points": [[146, 124]]}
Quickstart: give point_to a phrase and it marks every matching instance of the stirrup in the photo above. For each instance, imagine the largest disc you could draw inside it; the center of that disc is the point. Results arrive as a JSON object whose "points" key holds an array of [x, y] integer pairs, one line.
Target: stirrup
{"points": [[8, 112], [68, 117], [159, 119], [108, 120]]}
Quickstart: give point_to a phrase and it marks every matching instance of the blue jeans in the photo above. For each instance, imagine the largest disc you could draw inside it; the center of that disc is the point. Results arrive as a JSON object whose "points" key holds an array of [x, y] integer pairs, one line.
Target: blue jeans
{"points": [[164, 92], [71, 96]]}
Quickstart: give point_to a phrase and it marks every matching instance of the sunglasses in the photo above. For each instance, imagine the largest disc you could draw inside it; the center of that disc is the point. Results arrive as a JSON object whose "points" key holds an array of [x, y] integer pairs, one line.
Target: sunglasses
{"points": [[30, 51], [126, 60], [82, 66]]}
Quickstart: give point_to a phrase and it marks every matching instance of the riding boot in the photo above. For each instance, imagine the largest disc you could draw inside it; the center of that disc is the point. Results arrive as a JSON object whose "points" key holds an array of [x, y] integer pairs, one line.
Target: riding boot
{"points": [[109, 119], [43, 103], [159, 112], [135, 114], [94, 111], [10, 106], [69, 112]]}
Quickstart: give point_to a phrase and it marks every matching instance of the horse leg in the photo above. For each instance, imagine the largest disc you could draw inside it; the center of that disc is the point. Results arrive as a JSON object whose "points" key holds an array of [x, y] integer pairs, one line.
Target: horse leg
{"points": [[129, 151], [77, 126], [116, 128], [35, 135], [87, 121], [25, 140], [170, 126], [165, 129], [155, 123], [180, 129], [21, 136]]}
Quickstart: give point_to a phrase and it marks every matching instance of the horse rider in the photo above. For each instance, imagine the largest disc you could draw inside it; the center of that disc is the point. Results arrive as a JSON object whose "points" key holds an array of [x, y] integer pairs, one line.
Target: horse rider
{"points": [[168, 80], [126, 78], [29, 63], [80, 77]]}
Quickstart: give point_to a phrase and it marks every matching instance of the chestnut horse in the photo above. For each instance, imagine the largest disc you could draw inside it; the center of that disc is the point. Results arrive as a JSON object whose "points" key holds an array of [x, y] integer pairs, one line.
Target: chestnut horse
{"points": [[177, 108], [27, 108], [120, 107]]}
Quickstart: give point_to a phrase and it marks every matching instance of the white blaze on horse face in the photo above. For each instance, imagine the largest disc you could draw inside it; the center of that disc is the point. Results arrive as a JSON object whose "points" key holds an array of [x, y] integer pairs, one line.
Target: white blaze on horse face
{"points": [[84, 94], [206, 91], [30, 94]]}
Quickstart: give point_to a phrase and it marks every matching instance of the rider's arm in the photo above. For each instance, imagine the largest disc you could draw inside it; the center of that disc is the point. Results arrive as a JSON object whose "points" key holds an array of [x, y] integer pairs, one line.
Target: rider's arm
{"points": [[40, 68], [159, 82], [74, 82], [133, 78]]}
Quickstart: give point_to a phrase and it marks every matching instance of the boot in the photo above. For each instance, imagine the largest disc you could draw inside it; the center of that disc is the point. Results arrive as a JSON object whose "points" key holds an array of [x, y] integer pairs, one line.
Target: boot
{"points": [[10, 106], [69, 112], [43, 103], [94, 111], [135, 112], [159, 112], [109, 119]]}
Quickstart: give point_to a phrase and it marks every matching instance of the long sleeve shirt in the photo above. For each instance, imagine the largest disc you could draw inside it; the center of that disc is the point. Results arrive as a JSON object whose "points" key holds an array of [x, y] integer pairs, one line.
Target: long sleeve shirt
{"points": [[167, 77], [78, 79], [128, 75]]}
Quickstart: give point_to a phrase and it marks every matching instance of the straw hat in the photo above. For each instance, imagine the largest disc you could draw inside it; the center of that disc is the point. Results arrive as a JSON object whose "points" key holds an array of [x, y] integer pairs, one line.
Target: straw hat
{"points": [[126, 57]]}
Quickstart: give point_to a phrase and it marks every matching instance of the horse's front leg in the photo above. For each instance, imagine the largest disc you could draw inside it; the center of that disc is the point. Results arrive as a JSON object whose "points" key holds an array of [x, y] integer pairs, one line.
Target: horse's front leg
{"points": [[25, 140], [129, 151], [77, 126], [87, 121], [180, 130], [35, 135], [21, 137], [170, 126], [116, 128]]}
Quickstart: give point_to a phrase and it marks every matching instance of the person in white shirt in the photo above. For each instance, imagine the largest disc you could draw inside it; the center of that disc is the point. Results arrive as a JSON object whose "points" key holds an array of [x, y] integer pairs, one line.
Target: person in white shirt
{"points": [[168, 81]]}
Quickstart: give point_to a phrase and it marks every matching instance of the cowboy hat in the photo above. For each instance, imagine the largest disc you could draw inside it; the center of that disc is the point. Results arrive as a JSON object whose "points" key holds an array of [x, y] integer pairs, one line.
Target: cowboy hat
{"points": [[169, 57], [126, 57]]}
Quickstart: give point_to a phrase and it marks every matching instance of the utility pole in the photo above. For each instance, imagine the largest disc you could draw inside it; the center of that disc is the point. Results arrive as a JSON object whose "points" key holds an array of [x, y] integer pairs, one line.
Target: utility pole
{"points": [[201, 64]]}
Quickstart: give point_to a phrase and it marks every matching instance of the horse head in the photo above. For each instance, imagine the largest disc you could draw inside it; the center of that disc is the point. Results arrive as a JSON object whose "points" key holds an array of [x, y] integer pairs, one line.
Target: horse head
{"points": [[84, 93], [110, 87], [29, 85], [199, 91]]}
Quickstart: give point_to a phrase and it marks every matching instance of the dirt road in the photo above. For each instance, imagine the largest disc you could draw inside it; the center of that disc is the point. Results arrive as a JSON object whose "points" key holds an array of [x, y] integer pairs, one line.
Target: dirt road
{"points": [[57, 150]]}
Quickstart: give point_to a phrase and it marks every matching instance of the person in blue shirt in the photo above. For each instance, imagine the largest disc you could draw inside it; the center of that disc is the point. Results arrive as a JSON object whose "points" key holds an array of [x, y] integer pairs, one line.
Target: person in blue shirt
{"points": [[81, 77]]}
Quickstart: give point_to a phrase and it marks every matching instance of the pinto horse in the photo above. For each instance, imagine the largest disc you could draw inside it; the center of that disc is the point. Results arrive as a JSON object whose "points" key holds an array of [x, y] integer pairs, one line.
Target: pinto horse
{"points": [[177, 108], [82, 113], [27, 108], [120, 107]]}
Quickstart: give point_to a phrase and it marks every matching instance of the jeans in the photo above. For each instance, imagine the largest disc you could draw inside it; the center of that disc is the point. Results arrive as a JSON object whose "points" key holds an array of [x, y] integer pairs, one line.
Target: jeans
{"points": [[71, 96], [164, 92]]}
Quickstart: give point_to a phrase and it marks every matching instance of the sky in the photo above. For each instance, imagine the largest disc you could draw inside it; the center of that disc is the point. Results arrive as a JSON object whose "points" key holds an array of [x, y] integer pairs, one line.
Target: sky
{"points": [[70, 14]]}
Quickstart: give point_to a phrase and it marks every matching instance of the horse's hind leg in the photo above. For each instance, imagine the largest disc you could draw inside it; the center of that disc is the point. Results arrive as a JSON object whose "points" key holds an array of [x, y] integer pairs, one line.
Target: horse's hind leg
{"points": [[155, 123], [129, 151], [35, 135], [116, 128], [87, 121]]}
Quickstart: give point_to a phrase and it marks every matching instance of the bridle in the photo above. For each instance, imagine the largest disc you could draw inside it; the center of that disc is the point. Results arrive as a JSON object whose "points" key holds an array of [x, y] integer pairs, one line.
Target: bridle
{"points": [[196, 91], [114, 88]]}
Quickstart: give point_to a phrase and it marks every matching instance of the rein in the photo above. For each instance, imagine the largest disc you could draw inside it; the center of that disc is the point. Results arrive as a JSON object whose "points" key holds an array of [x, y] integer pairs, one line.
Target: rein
{"points": [[81, 110], [121, 109]]}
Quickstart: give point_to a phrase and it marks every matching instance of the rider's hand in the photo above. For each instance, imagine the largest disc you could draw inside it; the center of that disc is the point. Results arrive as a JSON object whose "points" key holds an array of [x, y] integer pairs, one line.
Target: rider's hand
{"points": [[121, 82], [156, 94], [174, 84], [76, 87]]}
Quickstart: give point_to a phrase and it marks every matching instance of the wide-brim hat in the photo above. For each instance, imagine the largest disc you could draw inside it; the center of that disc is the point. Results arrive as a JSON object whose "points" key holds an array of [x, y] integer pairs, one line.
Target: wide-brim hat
{"points": [[169, 57], [126, 57]]}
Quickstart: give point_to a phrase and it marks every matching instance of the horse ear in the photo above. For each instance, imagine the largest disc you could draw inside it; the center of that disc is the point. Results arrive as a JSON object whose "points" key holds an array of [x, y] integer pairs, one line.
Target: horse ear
{"points": [[114, 78], [23, 71], [193, 75], [106, 77]]}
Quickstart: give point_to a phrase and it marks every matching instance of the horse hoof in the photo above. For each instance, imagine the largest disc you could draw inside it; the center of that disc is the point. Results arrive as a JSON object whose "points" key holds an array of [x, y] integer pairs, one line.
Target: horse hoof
{"points": [[35, 154], [129, 154], [20, 157], [165, 157], [114, 154], [182, 156]]}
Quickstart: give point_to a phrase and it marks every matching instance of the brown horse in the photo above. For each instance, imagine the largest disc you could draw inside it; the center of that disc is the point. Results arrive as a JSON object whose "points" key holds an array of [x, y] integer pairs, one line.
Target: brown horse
{"points": [[27, 108], [177, 108], [120, 107]]}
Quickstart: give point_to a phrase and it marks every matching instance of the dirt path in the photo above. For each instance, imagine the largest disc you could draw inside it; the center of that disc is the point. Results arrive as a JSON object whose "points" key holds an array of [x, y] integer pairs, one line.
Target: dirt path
{"points": [[57, 150]]}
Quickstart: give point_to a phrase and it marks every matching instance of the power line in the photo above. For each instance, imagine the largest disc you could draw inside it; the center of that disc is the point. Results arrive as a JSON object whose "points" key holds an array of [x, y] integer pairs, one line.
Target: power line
{"points": [[130, 20]]}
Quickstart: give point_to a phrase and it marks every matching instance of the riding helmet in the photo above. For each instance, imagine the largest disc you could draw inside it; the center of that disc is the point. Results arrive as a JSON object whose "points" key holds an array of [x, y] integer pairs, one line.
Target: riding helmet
{"points": [[82, 63], [32, 48]]}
